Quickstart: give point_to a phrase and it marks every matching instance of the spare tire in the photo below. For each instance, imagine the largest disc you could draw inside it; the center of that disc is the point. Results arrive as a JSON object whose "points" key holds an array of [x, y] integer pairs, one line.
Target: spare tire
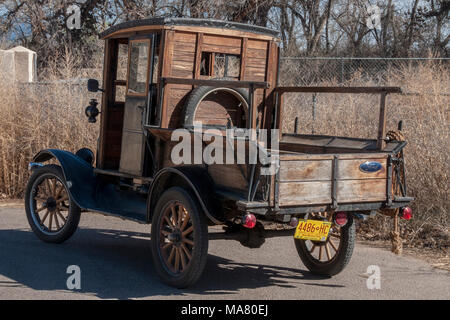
{"points": [[200, 93]]}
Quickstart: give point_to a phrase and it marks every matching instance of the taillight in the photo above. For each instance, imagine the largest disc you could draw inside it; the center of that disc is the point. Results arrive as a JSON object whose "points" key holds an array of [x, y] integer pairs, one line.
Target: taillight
{"points": [[340, 218], [406, 213], [293, 222], [249, 220]]}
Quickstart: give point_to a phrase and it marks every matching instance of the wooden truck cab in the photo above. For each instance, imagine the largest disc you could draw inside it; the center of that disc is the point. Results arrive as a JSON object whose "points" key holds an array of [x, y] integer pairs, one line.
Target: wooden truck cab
{"points": [[181, 49]]}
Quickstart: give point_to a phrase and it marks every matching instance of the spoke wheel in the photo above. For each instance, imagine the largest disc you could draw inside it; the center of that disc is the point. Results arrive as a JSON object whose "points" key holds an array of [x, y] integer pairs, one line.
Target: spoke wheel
{"points": [[50, 203], [331, 256], [176, 237], [179, 238], [51, 213], [324, 251]]}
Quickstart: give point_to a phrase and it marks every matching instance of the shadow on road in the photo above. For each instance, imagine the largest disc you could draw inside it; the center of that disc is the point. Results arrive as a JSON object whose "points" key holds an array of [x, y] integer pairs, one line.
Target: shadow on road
{"points": [[117, 264]]}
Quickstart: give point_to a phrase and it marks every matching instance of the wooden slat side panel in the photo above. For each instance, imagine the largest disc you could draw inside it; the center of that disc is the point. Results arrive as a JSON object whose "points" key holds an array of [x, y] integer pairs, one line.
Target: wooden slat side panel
{"points": [[175, 104], [306, 170], [350, 169], [222, 41], [183, 56], [221, 44], [258, 44], [369, 190], [256, 64], [185, 37], [305, 193], [257, 53]]}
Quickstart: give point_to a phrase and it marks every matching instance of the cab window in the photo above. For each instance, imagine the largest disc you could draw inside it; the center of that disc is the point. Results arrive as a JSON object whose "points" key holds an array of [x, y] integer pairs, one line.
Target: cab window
{"points": [[138, 67]]}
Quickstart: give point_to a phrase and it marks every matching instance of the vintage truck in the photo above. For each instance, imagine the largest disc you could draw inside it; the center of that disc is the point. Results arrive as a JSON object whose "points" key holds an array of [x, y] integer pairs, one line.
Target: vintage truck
{"points": [[173, 80]]}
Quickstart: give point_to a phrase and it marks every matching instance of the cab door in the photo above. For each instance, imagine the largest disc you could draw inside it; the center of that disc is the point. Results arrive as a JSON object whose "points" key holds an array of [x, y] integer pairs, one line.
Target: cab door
{"points": [[141, 56]]}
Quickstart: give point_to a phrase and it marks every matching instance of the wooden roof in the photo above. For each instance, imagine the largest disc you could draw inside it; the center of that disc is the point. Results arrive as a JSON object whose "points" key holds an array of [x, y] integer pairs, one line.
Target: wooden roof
{"points": [[154, 23]]}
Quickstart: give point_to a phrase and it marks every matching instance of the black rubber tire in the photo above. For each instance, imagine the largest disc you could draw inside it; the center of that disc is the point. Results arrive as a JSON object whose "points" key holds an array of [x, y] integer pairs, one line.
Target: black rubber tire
{"points": [[73, 217], [198, 94], [339, 261], [200, 252]]}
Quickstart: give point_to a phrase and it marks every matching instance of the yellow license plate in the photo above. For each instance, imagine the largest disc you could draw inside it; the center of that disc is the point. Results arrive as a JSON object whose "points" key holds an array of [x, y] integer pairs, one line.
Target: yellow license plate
{"points": [[315, 230]]}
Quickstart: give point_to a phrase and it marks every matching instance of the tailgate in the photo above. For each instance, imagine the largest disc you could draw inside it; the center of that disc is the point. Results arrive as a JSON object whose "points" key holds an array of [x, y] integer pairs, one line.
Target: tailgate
{"points": [[331, 179]]}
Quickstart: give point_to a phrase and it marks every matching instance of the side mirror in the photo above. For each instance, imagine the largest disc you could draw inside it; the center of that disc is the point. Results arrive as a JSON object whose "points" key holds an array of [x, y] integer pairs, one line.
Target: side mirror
{"points": [[92, 86]]}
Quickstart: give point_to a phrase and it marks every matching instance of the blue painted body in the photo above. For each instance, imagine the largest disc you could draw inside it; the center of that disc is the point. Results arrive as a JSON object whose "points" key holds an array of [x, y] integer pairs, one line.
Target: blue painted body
{"points": [[91, 193]]}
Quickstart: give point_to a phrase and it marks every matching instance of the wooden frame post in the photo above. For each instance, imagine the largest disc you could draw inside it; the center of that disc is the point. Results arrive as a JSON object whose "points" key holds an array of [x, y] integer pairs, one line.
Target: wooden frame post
{"points": [[382, 122]]}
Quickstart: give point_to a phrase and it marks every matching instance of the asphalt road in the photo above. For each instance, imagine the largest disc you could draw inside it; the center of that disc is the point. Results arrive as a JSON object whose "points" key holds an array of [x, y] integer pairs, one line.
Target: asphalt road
{"points": [[115, 262]]}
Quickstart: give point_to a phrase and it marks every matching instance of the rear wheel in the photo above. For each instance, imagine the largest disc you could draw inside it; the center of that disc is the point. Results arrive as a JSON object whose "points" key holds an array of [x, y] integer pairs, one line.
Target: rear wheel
{"points": [[179, 238], [330, 257], [51, 213]]}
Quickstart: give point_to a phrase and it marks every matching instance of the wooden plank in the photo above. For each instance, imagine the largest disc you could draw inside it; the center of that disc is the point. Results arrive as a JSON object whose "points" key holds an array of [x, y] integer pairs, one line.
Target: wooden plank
{"points": [[279, 115], [258, 44], [259, 72], [369, 190], [305, 170], [188, 37], [221, 49], [243, 58], [216, 40], [257, 53], [198, 55], [184, 46], [183, 65], [349, 169], [107, 96], [271, 72], [166, 72], [341, 89], [255, 62], [298, 156], [382, 123], [305, 193], [184, 56]]}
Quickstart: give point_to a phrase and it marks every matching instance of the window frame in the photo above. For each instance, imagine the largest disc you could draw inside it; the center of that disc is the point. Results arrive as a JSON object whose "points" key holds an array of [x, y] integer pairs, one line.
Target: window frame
{"points": [[212, 63], [149, 46]]}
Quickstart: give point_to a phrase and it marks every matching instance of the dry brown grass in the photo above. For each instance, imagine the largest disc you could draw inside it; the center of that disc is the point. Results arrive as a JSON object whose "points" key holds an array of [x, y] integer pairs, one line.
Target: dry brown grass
{"points": [[36, 117]]}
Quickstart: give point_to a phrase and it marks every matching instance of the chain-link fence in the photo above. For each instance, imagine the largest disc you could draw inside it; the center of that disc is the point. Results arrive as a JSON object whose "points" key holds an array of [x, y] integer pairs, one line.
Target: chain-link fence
{"points": [[313, 71]]}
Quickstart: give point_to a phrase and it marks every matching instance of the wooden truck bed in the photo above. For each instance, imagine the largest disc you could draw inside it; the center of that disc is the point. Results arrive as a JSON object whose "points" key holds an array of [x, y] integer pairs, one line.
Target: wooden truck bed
{"points": [[323, 179]]}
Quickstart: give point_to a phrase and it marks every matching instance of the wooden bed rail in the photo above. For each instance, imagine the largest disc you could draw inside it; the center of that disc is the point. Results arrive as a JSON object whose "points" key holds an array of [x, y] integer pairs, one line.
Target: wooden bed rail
{"points": [[340, 89], [382, 91]]}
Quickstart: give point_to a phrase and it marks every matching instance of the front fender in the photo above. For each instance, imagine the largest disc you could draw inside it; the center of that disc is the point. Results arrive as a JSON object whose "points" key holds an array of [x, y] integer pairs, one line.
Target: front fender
{"points": [[198, 181], [78, 173]]}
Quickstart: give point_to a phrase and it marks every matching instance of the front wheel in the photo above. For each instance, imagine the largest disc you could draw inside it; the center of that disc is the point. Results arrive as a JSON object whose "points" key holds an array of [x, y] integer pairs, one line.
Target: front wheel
{"points": [[179, 238], [332, 256], [51, 213]]}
